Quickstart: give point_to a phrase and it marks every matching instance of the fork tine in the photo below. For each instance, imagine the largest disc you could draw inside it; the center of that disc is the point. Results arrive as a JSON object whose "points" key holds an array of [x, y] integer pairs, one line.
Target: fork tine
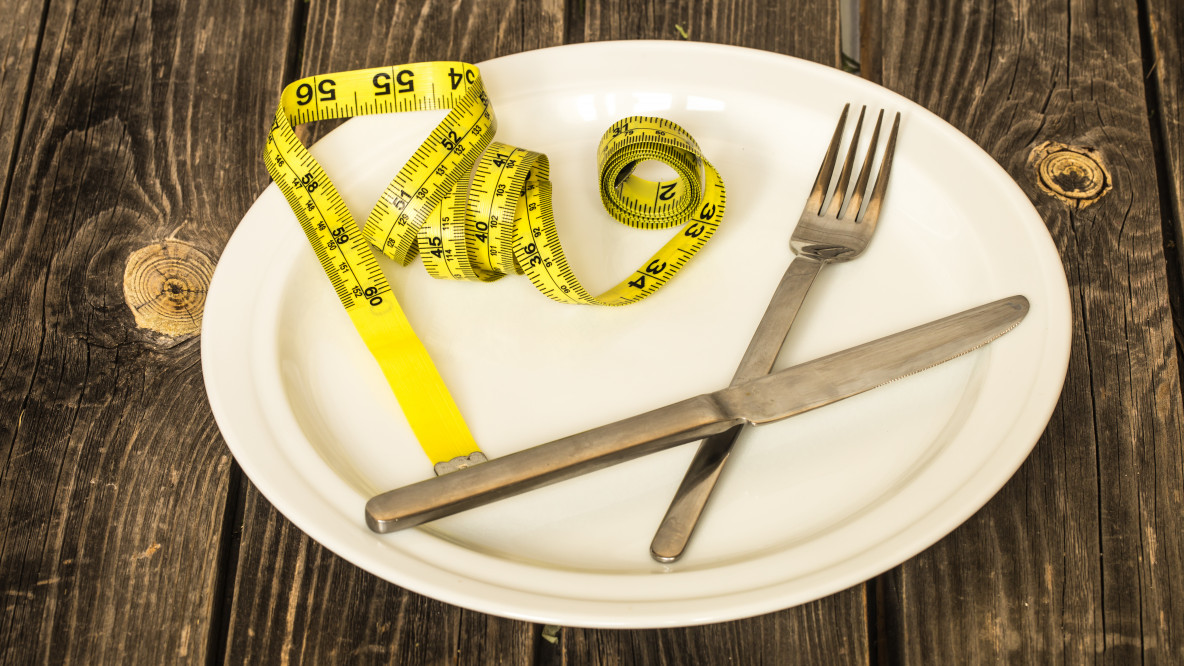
{"points": [[873, 205], [840, 192], [818, 192], [865, 173]]}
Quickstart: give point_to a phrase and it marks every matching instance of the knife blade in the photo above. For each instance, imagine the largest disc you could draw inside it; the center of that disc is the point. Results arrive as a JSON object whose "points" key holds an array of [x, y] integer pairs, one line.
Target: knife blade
{"points": [[774, 397]]}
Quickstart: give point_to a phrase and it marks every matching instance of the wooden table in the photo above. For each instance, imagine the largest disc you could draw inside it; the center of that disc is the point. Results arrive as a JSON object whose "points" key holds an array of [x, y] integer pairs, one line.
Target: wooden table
{"points": [[130, 135]]}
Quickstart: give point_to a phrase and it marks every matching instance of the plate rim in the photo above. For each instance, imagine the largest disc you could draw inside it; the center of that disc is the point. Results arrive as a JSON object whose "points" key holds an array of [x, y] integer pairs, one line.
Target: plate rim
{"points": [[611, 616]]}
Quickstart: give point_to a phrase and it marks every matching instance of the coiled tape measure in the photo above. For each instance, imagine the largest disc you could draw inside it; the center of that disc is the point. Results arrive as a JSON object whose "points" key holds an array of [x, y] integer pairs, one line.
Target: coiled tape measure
{"points": [[473, 209]]}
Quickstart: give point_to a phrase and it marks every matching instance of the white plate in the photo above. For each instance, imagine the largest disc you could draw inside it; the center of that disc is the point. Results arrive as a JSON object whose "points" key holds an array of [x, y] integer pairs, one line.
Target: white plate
{"points": [[807, 507]]}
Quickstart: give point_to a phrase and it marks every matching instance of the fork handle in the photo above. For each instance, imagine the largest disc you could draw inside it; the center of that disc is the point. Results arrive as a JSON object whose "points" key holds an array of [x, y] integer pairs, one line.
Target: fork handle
{"points": [[687, 506]]}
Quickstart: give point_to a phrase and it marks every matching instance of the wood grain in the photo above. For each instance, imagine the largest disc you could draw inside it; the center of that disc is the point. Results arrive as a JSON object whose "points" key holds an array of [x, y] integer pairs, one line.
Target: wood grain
{"points": [[806, 28], [114, 476], [828, 631], [1079, 557], [1166, 72], [20, 33], [295, 601]]}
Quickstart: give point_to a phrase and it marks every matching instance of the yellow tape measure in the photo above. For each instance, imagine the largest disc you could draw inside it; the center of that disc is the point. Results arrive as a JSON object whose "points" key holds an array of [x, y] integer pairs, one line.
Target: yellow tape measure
{"points": [[473, 209]]}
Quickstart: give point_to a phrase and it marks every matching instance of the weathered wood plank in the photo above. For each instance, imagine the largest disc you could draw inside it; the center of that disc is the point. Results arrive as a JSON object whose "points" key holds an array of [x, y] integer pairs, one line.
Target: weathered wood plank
{"points": [[807, 29], [1166, 28], [1079, 557], [114, 476], [830, 630], [19, 37], [294, 601], [297, 602]]}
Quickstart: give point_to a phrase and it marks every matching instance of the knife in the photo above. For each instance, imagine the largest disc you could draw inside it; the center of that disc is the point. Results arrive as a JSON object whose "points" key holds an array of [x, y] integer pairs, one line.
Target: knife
{"points": [[780, 395]]}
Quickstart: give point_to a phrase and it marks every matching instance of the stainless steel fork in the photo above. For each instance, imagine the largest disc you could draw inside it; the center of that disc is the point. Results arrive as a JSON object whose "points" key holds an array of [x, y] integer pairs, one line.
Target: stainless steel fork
{"points": [[834, 233]]}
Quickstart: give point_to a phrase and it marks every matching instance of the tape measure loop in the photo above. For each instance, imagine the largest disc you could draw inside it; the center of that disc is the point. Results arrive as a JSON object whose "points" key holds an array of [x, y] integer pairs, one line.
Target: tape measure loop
{"points": [[643, 203]]}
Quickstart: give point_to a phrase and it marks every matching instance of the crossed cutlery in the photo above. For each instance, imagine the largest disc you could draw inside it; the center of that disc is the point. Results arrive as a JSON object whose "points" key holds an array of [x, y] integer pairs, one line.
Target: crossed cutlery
{"points": [[835, 226]]}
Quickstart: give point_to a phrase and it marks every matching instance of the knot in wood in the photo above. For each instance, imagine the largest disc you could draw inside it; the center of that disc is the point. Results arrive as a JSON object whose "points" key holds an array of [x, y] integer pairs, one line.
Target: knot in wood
{"points": [[1073, 174], [165, 286]]}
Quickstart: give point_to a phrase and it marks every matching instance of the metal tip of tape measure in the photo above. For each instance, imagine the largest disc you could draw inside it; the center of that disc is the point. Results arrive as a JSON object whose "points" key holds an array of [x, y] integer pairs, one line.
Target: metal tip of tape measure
{"points": [[460, 462]]}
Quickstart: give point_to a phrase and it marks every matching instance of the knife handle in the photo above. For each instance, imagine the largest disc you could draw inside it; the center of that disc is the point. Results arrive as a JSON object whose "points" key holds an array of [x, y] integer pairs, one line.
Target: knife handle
{"points": [[673, 533], [542, 465]]}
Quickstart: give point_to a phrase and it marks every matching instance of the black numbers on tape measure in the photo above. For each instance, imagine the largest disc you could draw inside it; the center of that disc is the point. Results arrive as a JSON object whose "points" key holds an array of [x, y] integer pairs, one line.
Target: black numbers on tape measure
{"points": [[382, 84], [436, 243], [534, 258], [505, 162], [450, 141], [482, 230], [304, 92], [666, 192], [340, 237], [325, 87], [655, 267], [307, 182], [707, 213], [406, 80], [371, 293], [455, 78]]}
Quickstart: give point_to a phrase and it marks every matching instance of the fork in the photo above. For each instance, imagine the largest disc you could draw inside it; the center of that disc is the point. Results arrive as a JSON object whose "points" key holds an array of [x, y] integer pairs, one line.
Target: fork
{"points": [[836, 233]]}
